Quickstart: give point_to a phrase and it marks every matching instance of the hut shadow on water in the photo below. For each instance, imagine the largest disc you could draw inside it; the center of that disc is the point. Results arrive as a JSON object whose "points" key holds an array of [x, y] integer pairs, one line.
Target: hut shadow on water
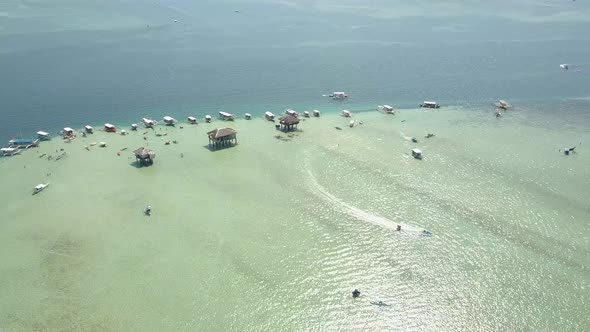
{"points": [[221, 138]]}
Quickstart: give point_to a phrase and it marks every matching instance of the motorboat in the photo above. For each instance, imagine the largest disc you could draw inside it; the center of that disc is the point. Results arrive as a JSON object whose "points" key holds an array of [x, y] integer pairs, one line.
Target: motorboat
{"points": [[39, 188], [351, 123], [248, 116], [102, 144], [502, 104], [386, 109], [148, 123], [134, 126], [169, 121], [430, 104], [207, 118], [123, 132], [346, 114], [226, 116], [339, 95], [109, 128], [88, 129], [10, 151], [269, 116], [292, 112], [306, 114], [192, 120], [316, 113], [44, 136], [416, 153]]}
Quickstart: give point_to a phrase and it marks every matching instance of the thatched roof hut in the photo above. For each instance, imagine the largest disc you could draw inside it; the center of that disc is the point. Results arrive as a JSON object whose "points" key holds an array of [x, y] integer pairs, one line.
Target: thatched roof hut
{"points": [[289, 122], [144, 156], [222, 137]]}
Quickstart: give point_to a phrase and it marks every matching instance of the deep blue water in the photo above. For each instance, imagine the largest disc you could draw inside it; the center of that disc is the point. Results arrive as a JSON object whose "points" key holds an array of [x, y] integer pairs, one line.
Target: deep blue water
{"points": [[68, 64]]}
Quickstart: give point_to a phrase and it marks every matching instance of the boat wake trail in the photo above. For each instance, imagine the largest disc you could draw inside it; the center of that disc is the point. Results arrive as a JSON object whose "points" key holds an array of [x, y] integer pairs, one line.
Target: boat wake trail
{"points": [[321, 192]]}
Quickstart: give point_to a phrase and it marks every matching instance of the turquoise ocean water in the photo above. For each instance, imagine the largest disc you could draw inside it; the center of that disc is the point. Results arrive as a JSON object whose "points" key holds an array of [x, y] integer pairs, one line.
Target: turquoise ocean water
{"points": [[274, 234]]}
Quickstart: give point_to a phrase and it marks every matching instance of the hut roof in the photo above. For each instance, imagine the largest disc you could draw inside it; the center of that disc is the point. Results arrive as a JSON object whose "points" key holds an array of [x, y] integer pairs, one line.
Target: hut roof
{"points": [[221, 132], [289, 120], [144, 153]]}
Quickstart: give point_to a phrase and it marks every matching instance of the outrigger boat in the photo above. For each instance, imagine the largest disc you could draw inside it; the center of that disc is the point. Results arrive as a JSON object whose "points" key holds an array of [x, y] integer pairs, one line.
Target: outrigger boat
{"points": [[38, 188], [10, 151]]}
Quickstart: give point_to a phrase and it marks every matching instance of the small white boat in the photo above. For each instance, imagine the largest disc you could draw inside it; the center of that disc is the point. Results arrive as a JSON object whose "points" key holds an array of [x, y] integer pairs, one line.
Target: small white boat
{"points": [[169, 121], [9, 151], [148, 123], [346, 114], [226, 116], [192, 120], [269, 116], [316, 113], [207, 118], [502, 104], [339, 95], [68, 133], [306, 114], [386, 109], [102, 144], [564, 66], [351, 123], [109, 128], [292, 112], [248, 116], [44, 136], [88, 129], [416, 153], [430, 104], [134, 126], [38, 188], [123, 132]]}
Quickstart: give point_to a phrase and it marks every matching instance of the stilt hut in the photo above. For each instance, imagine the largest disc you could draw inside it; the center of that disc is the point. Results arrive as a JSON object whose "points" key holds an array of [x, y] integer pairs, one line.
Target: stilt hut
{"points": [[222, 137], [288, 122], [144, 156]]}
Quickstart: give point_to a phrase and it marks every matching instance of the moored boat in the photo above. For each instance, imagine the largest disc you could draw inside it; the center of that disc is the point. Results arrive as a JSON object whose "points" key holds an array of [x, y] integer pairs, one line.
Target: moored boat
{"points": [[88, 129], [207, 118], [23, 143], [338, 95], [269, 116], [109, 128], [9, 151], [248, 116], [346, 114], [44, 136], [316, 113], [148, 123], [69, 133], [192, 120], [306, 114], [226, 116], [386, 109], [430, 104], [169, 121]]}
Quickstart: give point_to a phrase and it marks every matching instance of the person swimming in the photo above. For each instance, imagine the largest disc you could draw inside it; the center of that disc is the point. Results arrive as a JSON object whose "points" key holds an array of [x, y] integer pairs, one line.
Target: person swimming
{"points": [[356, 293], [148, 210]]}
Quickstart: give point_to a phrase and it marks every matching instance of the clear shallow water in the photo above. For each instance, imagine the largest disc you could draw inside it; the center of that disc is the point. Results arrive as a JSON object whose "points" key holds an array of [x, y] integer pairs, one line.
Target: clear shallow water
{"points": [[273, 234]]}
